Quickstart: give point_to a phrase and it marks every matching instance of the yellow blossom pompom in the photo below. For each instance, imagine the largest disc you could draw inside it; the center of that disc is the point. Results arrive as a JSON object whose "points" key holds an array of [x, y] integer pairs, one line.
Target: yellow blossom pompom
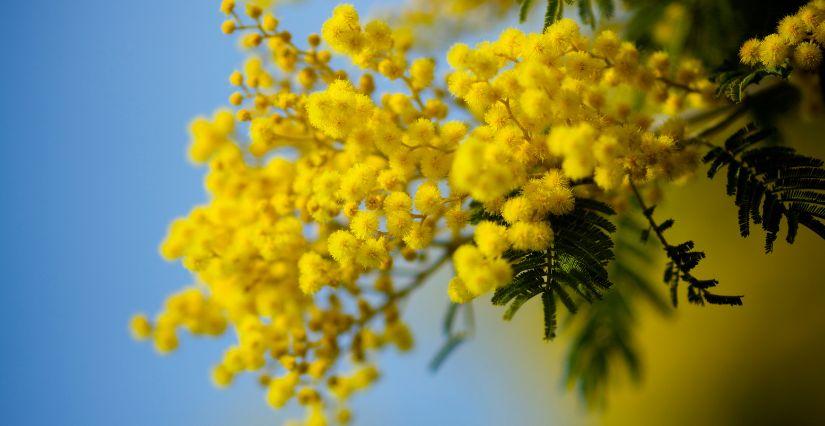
{"points": [[457, 291], [343, 246], [581, 66], [491, 238], [428, 199], [459, 83], [811, 15], [227, 6], [422, 72], [510, 42], [467, 259], [251, 40], [457, 55], [773, 50], [500, 271], [282, 389], [749, 52], [457, 218], [419, 235], [480, 97], [482, 281], [221, 376], [518, 209], [397, 201], [606, 44], [364, 224], [378, 36], [373, 254], [339, 110], [554, 193], [807, 56], [497, 116], [140, 327], [819, 33], [313, 272], [228, 26], [358, 182], [236, 78], [269, 23], [209, 136], [399, 223], [478, 273], [165, 340], [343, 30], [792, 29], [392, 69], [530, 235], [420, 132], [575, 146], [485, 170], [452, 132], [399, 335]]}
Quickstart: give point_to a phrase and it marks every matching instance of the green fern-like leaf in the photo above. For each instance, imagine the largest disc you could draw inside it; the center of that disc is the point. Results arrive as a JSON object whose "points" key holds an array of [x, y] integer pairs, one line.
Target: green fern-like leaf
{"points": [[770, 183], [574, 267], [524, 9], [586, 12], [454, 338], [733, 80], [683, 259], [603, 340], [553, 12]]}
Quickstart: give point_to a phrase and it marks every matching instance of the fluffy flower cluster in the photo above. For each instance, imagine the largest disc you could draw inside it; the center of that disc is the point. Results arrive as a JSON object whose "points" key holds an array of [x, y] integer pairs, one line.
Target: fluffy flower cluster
{"points": [[798, 38], [321, 188], [521, 85]]}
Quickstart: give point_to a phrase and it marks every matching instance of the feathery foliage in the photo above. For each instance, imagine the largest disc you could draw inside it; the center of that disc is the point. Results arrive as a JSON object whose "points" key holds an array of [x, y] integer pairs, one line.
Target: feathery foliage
{"points": [[554, 10], [454, 338], [575, 264], [733, 79], [683, 259], [770, 183], [604, 342]]}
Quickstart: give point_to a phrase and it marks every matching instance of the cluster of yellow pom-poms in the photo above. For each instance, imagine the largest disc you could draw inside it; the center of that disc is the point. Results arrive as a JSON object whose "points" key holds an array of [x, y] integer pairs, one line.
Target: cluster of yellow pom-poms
{"points": [[798, 38], [332, 200]]}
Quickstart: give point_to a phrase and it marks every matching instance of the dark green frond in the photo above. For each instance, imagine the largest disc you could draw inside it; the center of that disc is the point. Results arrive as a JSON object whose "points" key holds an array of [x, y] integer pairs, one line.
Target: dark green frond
{"points": [[454, 338], [683, 259], [549, 308], [770, 183], [586, 13], [603, 342], [572, 268], [606, 8], [554, 11], [449, 346], [524, 9]]}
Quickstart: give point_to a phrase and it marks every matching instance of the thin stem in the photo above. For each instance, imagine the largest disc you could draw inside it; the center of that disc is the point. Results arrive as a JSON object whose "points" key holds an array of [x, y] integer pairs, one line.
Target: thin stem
{"points": [[415, 93], [418, 280], [649, 215], [513, 117]]}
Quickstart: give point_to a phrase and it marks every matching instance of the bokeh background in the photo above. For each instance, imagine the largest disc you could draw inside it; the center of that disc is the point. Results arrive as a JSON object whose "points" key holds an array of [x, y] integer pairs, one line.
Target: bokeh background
{"points": [[96, 95]]}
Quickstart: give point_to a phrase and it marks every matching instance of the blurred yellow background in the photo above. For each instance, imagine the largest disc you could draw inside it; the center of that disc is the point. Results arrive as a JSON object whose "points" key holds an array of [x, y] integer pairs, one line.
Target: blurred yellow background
{"points": [[761, 363]]}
